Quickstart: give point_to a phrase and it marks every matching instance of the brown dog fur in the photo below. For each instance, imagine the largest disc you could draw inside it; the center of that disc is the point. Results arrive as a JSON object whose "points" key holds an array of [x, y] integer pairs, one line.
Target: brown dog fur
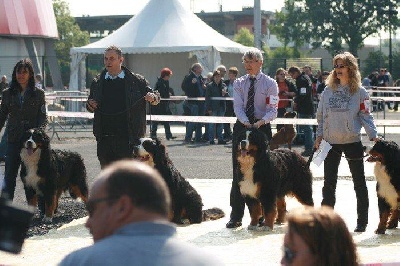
{"points": [[285, 135]]}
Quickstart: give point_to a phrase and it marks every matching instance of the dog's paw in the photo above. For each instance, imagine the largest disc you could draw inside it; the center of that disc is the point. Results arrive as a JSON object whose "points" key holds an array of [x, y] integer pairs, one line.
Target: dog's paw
{"points": [[252, 227], [264, 228], [47, 220], [380, 231]]}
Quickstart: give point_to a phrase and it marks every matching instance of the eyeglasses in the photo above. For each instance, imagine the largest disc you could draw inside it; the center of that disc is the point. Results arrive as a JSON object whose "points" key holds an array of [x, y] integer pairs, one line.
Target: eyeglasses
{"points": [[339, 66], [91, 204], [246, 62], [289, 254]]}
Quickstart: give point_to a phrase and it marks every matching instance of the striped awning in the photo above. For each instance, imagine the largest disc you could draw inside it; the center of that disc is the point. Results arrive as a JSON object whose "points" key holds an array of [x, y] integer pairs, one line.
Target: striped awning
{"points": [[29, 18]]}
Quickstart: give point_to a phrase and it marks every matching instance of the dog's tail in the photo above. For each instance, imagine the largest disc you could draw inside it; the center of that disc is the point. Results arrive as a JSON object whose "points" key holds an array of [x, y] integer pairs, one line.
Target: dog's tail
{"points": [[213, 214]]}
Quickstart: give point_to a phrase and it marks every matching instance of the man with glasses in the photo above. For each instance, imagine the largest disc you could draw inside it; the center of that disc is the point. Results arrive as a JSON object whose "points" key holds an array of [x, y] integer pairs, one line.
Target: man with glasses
{"points": [[128, 208], [255, 102]]}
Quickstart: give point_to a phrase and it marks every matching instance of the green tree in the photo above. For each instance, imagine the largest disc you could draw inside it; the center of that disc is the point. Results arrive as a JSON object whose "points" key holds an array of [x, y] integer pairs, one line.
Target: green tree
{"points": [[244, 37], [374, 61], [329, 24], [70, 35]]}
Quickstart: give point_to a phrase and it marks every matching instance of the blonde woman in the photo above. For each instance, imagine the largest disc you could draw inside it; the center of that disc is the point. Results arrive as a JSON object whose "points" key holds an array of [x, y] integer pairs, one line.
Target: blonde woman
{"points": [[342, 111]]}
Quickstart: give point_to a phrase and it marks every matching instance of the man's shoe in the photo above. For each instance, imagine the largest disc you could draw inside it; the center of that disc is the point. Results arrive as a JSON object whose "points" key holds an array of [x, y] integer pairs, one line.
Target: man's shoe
{"points": [[221, 142], [212, 142], [360, 228], [172, 137], [233, 224]]}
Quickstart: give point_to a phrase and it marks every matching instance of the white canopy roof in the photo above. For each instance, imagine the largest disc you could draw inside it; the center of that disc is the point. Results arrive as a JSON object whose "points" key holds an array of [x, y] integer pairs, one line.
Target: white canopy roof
{"points": [[163, 26]]}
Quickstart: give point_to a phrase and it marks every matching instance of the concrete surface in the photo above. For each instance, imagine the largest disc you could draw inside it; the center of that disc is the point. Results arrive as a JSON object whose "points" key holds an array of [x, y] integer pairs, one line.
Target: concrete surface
{"points": [[234, 247]]}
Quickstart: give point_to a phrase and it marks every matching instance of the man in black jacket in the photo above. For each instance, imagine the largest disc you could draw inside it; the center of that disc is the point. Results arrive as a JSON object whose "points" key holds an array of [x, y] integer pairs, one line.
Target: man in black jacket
{"points": [[304, 105], [118, 99], [193, 86]]}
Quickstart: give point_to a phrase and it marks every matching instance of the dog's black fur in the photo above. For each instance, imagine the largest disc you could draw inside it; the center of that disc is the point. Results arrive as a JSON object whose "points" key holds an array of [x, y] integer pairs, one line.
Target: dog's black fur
{"points": [[186, 202], [386, 155], [268, 176], [47, 173]]}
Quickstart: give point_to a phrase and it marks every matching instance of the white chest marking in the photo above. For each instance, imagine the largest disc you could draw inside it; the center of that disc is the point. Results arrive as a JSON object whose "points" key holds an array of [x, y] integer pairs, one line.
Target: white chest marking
{"points": [[386, 189], [31, 163], [247, 186]]}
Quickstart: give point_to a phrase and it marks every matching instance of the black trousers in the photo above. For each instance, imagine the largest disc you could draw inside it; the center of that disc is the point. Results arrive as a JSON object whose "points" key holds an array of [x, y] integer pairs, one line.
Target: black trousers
{"points": [[354, 152], [236, 199], [113, 148]]}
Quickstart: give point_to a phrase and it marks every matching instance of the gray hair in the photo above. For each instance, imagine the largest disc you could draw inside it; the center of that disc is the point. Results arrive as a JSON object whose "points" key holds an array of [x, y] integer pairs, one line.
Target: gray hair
{"points": [[253, 53]]}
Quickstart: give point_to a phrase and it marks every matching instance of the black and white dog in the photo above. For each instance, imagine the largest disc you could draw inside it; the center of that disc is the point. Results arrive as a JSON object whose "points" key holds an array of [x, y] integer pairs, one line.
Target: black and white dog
{"points": [[268, 176], [187, 204], [386, 155], [47, 173]]}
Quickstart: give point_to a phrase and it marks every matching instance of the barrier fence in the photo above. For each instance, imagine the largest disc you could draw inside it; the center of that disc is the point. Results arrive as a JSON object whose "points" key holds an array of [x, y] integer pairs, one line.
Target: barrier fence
{"points": [[68, 112]]}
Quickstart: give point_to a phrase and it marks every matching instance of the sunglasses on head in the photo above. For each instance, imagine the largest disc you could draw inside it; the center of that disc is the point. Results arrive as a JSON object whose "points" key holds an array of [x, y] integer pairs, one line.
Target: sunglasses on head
{"points": [[339, 66]]}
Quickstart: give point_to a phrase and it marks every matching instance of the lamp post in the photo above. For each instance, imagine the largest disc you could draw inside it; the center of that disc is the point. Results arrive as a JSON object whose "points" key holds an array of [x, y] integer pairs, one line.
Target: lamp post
{"points": [[390, 12]]}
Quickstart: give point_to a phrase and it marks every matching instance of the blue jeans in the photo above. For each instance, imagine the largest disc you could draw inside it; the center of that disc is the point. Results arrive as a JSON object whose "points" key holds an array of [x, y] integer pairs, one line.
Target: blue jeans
{"points": [[211, 126], [191, 126], [3, 143], [13, 161], [308, 133]]}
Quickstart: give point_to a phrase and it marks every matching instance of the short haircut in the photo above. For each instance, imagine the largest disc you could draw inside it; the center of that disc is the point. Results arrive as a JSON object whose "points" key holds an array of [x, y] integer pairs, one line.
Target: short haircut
{"points": [[38, 77], [253, 53], [142, 183], [221, 68], [22, 64], [294, 69], [195, 65], [166, 72], [233, 70], [114, 48], [216, 72]]}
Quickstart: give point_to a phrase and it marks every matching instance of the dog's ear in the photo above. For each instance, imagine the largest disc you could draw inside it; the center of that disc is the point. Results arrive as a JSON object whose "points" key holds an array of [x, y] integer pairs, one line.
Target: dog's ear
{"points": [[45, 138]]}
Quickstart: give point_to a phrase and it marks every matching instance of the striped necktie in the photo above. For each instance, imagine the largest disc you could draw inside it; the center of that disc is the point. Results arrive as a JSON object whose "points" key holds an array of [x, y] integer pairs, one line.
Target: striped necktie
{"points": [[250, 102]]}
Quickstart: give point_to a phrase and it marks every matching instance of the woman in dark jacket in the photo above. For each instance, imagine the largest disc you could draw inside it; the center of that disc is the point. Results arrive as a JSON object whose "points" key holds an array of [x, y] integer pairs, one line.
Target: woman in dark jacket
{"points": [[24, 106], [162, 86], [216, 88]]}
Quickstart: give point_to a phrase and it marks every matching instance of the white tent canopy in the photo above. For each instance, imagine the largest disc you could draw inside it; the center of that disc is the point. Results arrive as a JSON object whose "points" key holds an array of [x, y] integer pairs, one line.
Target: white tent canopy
{"points": [[163, 27]]}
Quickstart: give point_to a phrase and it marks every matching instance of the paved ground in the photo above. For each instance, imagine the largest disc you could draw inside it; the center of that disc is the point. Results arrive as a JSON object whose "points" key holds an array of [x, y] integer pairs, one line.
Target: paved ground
{"points": [[208, 169]]}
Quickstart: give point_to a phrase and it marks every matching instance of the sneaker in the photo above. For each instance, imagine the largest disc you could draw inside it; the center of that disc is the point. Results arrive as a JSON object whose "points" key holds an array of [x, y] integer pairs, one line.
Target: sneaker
{"points": [[233, 224], [306, 153]]}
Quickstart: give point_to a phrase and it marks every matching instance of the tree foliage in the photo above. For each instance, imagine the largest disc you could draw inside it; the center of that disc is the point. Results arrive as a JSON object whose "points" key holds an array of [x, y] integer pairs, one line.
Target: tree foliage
{"points": [[70, 35], [244, 37], [329, 24]]}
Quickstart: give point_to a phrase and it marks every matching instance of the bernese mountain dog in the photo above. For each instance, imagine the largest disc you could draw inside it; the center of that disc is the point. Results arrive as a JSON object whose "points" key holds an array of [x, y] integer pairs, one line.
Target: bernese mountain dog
{"points": [[187, 205], [47, 172], [386, 155], [268, 176]]}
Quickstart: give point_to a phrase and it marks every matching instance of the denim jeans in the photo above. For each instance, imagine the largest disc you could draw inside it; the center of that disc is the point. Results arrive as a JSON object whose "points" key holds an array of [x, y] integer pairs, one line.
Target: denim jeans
{"points": [[308, 133], [3, 143], [211, 126], [191, 126], [13, 161]]}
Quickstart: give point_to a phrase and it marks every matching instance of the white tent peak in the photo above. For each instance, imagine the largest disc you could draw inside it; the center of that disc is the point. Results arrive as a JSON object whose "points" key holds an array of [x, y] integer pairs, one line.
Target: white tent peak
{"points": [[167, 26], [162, 28]]}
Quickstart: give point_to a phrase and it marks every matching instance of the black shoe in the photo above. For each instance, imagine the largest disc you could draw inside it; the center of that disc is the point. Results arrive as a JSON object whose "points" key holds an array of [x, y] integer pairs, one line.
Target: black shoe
{"points": [[212, 142], [233, 224], [172, 137], [360, 228], [221, 142]]}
